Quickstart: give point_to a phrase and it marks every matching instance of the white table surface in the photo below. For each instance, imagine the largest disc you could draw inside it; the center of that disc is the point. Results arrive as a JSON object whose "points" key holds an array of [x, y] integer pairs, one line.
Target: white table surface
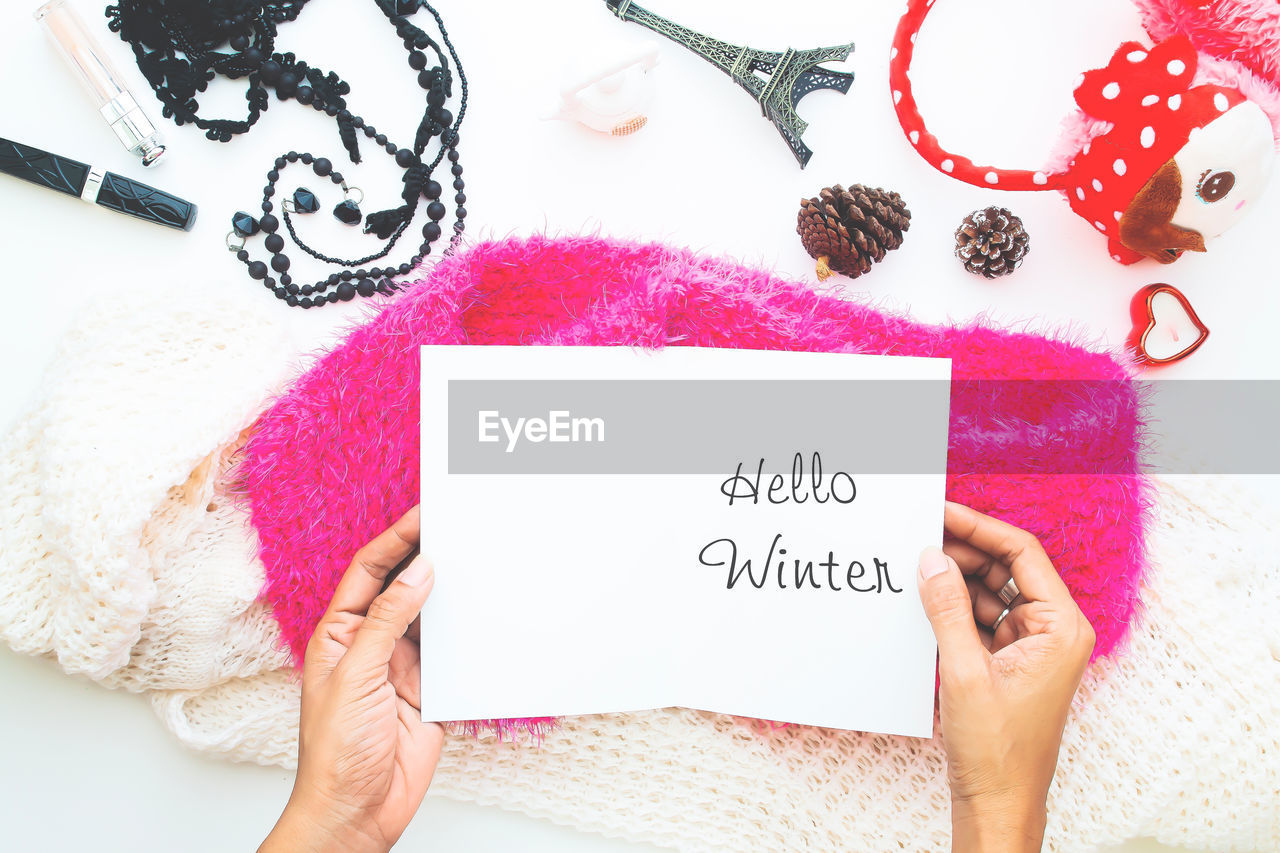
{"points": [[90, 769]]}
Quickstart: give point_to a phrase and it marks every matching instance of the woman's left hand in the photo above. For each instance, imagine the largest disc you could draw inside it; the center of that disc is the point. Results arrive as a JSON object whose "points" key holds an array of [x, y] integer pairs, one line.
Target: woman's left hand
{"points": [[365, 758]]}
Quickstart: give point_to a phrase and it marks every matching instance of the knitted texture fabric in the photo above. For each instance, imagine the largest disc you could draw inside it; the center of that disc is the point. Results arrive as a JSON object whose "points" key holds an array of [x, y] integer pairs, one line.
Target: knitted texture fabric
{"points": [[120, 553], [1080, 415]]}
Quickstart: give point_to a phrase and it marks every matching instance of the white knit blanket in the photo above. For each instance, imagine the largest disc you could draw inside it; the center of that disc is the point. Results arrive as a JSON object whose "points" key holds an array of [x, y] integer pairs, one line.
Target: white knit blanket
{"points": [[121, 555]]}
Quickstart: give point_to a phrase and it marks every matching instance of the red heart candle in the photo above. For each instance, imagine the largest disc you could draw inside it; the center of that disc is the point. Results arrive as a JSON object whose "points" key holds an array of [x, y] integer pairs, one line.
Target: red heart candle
{"points": [[1165, 326]]}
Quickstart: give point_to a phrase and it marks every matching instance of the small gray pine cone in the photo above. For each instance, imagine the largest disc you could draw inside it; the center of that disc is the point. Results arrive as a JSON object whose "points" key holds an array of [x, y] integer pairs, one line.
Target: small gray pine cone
{"points": [[992, 242], [849, 230]]}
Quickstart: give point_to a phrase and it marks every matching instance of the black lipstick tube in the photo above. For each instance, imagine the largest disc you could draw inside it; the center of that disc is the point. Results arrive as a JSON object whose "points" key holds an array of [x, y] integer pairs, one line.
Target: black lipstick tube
{"points": [[95, 185]]}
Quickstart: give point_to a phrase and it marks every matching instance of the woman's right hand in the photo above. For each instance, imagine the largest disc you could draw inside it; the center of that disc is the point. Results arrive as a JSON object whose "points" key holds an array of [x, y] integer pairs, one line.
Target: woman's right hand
{"points": [[1003, 695]]}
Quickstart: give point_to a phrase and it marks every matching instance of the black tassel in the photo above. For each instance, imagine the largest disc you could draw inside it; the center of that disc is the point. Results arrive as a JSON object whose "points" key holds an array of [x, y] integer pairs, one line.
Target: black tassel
{"points": [[415, 178], [424, 134], [347, 133], [385, 222], [408, 32]]}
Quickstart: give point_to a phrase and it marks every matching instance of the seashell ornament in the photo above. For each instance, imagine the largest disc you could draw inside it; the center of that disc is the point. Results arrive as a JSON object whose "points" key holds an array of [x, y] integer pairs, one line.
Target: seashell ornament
{"points": [[615, 99]]}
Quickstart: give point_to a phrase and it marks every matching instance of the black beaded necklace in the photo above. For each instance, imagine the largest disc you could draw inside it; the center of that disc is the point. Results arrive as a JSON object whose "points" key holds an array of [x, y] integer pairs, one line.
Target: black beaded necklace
{"points": [[176, 43]]}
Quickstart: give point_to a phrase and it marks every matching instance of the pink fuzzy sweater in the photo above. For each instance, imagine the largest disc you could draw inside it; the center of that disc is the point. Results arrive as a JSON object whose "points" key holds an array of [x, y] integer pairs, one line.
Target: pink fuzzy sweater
{"points": [[335, 459], [1242, 31]]}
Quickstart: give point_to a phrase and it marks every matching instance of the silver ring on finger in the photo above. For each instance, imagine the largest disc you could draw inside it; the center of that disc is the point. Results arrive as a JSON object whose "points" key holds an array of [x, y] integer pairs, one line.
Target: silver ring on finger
{"points": [[995, 626], [1009, 591]]}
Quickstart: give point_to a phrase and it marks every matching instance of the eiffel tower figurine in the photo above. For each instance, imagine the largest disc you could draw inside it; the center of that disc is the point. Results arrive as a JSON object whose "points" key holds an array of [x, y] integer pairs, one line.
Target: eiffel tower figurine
{"points": [[776, 79]]}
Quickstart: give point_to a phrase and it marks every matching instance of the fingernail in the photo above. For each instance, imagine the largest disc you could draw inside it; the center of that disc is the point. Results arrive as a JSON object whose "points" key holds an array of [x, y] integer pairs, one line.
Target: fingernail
{"points": [[416, 573], [932, 562]]}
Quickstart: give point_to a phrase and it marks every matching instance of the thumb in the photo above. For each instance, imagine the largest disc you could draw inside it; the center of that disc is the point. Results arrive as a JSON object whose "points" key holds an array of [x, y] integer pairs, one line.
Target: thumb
{"points": [[389, 615], [950, 610]]}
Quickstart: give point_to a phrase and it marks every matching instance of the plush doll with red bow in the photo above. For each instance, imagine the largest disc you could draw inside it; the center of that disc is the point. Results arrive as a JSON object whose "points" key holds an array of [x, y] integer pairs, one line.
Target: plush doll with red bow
{"points": [[1170, 148]]}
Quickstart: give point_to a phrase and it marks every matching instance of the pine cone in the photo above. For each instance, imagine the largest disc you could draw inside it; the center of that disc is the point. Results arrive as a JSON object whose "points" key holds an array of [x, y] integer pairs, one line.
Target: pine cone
{"points": [[992, 242], [849, 230]]}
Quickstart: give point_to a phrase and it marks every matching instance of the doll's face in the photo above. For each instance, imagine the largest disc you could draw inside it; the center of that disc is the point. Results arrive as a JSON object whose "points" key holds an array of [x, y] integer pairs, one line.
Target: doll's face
{"points": [[1224, 168]]}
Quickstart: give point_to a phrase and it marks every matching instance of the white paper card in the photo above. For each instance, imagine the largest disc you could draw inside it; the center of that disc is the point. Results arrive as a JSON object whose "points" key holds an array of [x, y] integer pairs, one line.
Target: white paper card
{"points": [[729, 530]]}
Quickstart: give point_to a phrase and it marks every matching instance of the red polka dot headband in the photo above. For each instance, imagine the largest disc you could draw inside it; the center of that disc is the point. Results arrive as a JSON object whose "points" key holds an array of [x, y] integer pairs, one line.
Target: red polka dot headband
{"points": [[1145, 94]]}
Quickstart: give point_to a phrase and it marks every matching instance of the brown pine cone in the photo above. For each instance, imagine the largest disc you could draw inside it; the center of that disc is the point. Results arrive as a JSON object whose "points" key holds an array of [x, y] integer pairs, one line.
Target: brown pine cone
{"points": [[992, 242], [849, 230]]}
